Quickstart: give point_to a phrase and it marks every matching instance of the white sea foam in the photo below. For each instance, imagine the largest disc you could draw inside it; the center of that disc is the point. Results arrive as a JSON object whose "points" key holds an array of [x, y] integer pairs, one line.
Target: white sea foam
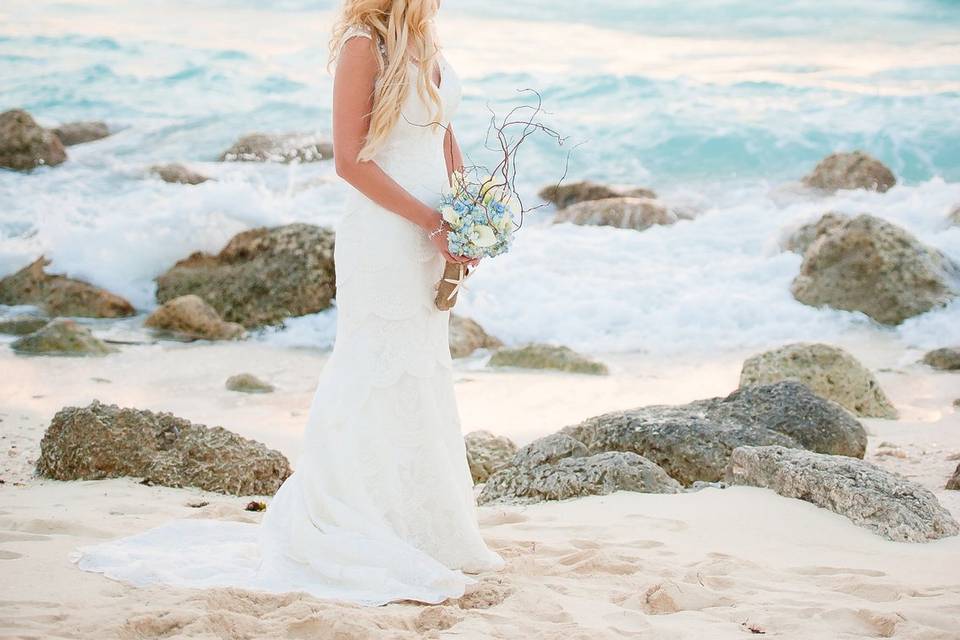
{"points": [[662, 105]]}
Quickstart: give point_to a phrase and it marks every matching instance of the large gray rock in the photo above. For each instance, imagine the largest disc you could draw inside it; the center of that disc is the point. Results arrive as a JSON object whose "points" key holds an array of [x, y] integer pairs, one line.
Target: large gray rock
{"points": [[59, 295], [61, 337], [887, 504], [804, 236], [105, 441], [547, 356], [25, 145], [178, 174], [466, 336], [793, 409], [869, 265], [855, 170], [261, 277], [689, 447], [624, 213], [953, 219], [71, 133], [283, 147], [487, 453], [693, 442], [191, 317], [564, 195], [574, 477], [947, 358], [829, 371]]}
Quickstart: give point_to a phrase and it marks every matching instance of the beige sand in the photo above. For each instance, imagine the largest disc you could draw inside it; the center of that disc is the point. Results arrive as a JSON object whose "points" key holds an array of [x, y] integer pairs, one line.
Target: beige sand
{"points": [[713, 564]]}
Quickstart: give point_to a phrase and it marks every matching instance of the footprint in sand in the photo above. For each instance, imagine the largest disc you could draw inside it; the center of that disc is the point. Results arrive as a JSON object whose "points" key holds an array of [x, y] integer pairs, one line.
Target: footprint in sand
{"points": [[833, 571], [13, 536], [671, 597], [44, 527], [500, 517], [488, 593], [876, 623], [591, 561], [437, 619]]}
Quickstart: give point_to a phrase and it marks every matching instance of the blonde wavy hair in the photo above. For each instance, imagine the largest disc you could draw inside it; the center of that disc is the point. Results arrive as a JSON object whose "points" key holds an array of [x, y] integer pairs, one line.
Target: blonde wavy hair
{"points": [[405, 29]]}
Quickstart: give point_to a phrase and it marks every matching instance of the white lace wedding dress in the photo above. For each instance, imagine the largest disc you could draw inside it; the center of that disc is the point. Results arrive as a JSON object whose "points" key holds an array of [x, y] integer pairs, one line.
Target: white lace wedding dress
{"points": [[380, 506]]}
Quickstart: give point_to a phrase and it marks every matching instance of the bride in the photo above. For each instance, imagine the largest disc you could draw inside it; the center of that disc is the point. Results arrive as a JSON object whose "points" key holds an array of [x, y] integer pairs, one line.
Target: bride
{"points": [[380, 507]]}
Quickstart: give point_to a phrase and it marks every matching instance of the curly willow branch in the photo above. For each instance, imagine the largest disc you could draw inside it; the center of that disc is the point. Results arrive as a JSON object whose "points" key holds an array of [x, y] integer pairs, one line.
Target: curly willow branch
{"points": [[500, 138]]}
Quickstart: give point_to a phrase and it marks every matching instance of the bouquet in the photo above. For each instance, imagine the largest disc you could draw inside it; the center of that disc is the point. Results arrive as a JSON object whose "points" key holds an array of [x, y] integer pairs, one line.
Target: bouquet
{"points": [[480, 214], [482, 209]]}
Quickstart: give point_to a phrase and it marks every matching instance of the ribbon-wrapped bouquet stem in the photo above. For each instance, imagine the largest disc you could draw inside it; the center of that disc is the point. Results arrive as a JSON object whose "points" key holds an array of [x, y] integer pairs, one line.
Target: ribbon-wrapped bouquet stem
{"points": [[481, 208]]}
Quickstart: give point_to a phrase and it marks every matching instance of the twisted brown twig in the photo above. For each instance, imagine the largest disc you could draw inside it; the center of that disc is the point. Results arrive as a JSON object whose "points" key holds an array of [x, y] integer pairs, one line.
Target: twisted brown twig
{"points": [[506, 169]]}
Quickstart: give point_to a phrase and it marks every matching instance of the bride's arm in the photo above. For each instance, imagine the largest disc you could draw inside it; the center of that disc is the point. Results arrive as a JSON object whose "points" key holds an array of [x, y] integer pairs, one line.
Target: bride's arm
{"points": [[353, 86]]}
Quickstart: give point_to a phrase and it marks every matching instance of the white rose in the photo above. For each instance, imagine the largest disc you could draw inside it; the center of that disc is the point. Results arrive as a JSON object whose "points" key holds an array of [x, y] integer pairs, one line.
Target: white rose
{"points": [[450, 215], [484, 236]]}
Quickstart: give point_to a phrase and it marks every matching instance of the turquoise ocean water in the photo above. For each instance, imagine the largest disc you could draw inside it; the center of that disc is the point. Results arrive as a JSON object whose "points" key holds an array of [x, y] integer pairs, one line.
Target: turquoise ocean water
{"points": [[721, 106]]}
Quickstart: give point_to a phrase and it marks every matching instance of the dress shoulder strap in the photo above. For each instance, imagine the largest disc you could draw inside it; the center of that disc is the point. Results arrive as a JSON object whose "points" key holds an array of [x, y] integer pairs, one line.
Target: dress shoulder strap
{"points": [[362, 31]]}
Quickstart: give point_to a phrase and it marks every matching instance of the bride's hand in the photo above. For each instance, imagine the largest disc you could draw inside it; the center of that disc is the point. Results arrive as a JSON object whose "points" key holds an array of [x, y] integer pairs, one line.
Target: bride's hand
{"points": [[439, 241]]}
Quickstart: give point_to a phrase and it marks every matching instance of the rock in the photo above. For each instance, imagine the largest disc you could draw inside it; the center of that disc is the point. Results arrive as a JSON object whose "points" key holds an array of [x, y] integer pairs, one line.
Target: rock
{"points": [[574, 477], [565, 195], [956, 403], [954, 482], [71, 133], [177, 173], [549, 450], [261, 277], [855, 170], [688, 446], [953, 218], [693, 442], [487, 454], [25, 145], [829, 371], [947, 358], [886, 503], [105, 441], [284, 147], [545, 356], [190, 316], [466, 336], [59, 295], [61, 337], [248, 383], [793, 409], [869, 265], [801, 239], [22, 325], [624, 213]]}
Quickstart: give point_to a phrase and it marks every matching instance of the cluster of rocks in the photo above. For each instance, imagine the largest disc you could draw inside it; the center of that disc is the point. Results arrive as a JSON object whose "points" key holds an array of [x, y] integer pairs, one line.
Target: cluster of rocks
{"points": [[591, 203], [261, 277], [780, 436], [25, 145], [284, 147]]}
